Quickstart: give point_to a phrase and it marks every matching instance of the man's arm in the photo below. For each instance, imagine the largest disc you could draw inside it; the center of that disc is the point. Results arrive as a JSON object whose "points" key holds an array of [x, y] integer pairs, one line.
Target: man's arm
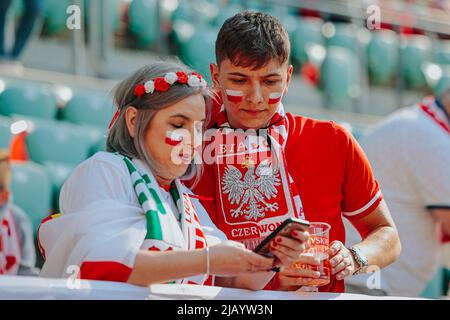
{"points": [[381, 243]]}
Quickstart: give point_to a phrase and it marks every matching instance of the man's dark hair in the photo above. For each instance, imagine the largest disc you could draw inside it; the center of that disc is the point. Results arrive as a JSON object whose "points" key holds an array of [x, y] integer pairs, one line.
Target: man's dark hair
{"points": [[252, 39]]}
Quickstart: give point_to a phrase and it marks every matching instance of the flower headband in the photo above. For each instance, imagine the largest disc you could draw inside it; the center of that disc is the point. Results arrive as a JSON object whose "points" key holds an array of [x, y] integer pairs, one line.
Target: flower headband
{"points": [[162, 84]]}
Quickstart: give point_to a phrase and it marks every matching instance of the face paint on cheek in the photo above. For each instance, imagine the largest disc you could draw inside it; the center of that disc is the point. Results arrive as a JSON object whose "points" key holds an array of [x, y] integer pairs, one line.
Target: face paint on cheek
{"points": [[173, 138], [275, 97], [235, 96]]}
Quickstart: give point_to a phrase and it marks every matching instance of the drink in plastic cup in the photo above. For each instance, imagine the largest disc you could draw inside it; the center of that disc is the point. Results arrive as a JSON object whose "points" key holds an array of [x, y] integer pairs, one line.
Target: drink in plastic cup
{"points": [[319, 243]]}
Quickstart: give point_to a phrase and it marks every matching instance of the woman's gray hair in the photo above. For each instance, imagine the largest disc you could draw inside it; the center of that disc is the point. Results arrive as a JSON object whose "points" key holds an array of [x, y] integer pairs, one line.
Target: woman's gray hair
{"points": [[119, 139]]}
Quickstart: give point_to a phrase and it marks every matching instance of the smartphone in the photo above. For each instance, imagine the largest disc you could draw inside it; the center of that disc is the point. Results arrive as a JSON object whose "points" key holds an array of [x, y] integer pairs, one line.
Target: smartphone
{"points": [[283, 229]]}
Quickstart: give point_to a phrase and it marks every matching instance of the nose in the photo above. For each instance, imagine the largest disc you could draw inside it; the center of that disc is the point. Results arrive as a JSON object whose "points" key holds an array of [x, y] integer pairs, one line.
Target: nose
{"points": [[255, 95]]}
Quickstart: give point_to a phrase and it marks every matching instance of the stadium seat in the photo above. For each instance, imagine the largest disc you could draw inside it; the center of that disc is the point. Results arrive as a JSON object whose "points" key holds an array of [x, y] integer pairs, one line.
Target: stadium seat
{"points": [[444, 82], [55, 15], [308, 31], [339, 78], [58, 174], [341, 35], [58, 142], [89, 107], [32, 190], [199, 51], [438, 286], [144, 21], [382, 56], [226, 13], [5, 133], [199, 12], [415, 51], [443, 52], [28, 99]]}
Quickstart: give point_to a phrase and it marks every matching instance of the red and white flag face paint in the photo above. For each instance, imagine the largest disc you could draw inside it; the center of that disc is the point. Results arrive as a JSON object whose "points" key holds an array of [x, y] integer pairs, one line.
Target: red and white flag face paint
{"points": [[275, 97], [235, 96], [173, 138]]}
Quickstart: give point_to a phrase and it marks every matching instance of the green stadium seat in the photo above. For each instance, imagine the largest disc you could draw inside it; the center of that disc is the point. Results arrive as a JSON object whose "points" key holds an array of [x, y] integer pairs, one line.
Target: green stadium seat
{"points": [[199, 51], [308, 31], [443, 83], [339, 78], [58, 142], [415, 51], [200, 12], [382, 56], [55, 15], [438, 286], [443, 52], [341, 35], [5, 133], [28, 99], [144, 21], [89, 107], [58, 174], [32, 190], [225, 13]]}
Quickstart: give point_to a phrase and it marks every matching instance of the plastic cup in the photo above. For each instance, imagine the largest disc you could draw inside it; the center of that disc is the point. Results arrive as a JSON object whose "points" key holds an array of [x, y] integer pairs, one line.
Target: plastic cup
{"points": [[319, 243]]}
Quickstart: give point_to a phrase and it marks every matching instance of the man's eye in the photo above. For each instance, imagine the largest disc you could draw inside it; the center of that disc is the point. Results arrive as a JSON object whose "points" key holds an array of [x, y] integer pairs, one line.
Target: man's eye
{"points": [[238, 81], [272, 82]]}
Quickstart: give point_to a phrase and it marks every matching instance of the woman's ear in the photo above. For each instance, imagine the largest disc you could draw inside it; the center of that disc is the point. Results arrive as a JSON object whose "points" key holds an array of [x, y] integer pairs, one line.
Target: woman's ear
{"points": [[130, 119]]}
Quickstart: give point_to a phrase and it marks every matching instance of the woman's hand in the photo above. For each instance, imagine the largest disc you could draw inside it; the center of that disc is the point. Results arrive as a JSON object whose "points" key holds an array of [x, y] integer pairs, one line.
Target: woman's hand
{"points": [[291, 278], [341, 260], [231, 258], [288, 250]]}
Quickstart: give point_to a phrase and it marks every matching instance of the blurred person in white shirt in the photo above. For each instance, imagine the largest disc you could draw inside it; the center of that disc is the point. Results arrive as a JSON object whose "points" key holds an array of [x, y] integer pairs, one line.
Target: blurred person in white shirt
{"points": [[410, 155]]}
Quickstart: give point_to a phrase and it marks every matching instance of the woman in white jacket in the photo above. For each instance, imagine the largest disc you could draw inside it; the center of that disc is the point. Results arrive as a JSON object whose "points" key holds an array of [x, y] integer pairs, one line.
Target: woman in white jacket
{"points": [[126, 216]]}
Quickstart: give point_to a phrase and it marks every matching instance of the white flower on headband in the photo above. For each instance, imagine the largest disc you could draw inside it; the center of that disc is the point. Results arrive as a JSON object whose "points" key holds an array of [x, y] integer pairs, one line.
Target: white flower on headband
{"points": [[171, 77], [194, 81], [203, 84], [149, 86]]}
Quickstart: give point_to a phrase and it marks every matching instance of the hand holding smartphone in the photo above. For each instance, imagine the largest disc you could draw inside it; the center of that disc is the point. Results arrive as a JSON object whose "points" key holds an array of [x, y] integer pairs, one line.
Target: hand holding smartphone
{"points": [[285, 230]]}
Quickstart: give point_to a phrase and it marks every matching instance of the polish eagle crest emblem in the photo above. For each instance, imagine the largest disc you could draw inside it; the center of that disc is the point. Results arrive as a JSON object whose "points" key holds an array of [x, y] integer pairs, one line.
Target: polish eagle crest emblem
{"points": [[252, 192]]}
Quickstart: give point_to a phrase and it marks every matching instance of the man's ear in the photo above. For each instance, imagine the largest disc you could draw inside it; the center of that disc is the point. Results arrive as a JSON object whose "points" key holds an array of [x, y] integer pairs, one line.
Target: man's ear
{"points": [[214, 69], [130, 119], [289, 76]]}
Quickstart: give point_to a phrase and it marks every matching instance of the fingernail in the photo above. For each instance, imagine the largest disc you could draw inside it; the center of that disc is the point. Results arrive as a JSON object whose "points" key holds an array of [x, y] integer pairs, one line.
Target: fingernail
{"points": [[316, 274], [295, 233], [278, 240]]}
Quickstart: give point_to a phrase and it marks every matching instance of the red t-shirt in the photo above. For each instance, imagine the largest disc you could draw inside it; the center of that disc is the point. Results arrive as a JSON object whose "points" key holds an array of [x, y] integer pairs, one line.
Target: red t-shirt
{"points": [[331, 172]]}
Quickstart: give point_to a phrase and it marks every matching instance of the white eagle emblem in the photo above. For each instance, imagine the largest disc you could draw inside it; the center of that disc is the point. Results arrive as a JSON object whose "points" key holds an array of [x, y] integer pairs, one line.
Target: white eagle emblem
{"points": [[252, 191]]}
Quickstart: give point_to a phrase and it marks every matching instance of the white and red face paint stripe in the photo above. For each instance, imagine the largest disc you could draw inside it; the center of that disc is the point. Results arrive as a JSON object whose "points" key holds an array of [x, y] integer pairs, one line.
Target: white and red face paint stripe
{"points": [[275, 97], [173, 138], [235, 96]]}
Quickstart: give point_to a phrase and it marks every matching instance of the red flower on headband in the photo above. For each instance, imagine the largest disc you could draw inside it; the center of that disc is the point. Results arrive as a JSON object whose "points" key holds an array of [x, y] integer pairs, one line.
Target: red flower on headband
{"points": [[139, 90], [182, 77], [161, 84]]}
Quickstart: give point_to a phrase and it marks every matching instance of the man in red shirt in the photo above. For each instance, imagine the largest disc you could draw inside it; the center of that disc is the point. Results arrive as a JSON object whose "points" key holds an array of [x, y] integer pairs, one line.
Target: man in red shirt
{"points": [[262, 165]]}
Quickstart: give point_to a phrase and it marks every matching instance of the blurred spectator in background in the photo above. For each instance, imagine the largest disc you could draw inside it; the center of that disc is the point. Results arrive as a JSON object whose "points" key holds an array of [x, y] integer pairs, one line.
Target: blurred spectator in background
{"points": [[17, 253], [32, 9], [410, 155]]}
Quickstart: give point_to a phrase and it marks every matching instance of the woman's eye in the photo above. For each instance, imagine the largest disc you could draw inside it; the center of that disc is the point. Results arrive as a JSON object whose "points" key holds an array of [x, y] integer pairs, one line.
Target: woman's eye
{"points": [[177, 126]]}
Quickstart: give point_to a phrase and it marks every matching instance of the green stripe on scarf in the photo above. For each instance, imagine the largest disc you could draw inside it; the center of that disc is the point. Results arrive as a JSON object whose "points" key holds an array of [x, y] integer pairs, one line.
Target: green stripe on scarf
{"points": [[154, 230]]}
